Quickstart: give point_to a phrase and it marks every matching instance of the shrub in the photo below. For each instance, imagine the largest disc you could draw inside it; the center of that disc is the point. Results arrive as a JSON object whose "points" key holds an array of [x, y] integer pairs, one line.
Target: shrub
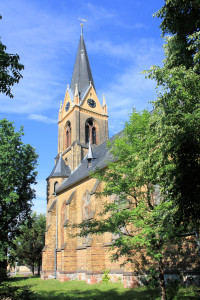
{"points": [[106, 277], [7, 291]]}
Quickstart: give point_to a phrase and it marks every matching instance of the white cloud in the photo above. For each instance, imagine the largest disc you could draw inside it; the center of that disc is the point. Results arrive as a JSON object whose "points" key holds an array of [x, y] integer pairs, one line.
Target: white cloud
{"points": [[138, 25], [41, 118], [46, 49], [108, 48], [129, 88], [99, 13], [137, 51], [126, 93], [42, 45]]}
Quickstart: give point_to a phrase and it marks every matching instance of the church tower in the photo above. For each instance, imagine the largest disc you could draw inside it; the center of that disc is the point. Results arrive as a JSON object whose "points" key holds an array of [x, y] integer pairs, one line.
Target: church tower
{"points": [[81, 119], [81, 116], [82, 140]]}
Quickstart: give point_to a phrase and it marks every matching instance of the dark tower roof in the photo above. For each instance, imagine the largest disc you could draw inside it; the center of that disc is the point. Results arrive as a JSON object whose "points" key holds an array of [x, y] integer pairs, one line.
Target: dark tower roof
{"points": [[82, 74], [60, 169]]}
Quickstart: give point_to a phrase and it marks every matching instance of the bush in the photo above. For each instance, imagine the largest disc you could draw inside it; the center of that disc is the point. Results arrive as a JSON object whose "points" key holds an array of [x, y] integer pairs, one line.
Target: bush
{"points": [[106, 277], [7, 291]]}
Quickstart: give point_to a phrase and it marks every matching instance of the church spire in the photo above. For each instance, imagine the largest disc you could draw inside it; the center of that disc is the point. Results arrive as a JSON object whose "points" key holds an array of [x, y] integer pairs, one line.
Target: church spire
{"points": [[82, 74]]}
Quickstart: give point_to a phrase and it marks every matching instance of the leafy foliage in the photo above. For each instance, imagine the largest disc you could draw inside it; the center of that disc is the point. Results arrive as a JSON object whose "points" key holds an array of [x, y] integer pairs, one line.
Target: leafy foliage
{"points": [[17, 175], [9, 70], [181, 19], [138, 216], [7, 291], [30, 242], [177, 115], [106, 277], [178, 107]]}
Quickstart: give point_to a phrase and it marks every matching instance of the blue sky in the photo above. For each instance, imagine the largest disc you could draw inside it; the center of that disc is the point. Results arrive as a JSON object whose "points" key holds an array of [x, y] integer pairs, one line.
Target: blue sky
{"points": [[122, 39]]}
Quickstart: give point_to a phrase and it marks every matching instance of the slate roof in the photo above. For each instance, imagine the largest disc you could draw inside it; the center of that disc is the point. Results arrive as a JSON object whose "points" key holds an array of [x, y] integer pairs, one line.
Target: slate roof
{"points": [[101, 157], [60, 169], [82, 74]]}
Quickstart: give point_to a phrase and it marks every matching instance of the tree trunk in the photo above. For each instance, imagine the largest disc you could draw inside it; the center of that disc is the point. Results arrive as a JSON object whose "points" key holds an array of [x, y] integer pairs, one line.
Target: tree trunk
{"points": [[33, 269], [3, 269], [39, 263], [162, 280], [39, 270], [3, 263]]}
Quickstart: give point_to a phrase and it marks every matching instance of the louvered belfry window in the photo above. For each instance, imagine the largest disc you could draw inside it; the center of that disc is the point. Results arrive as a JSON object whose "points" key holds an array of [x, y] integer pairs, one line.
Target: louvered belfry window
{"points": [[90, 132], [93, 135], [68, 135]]}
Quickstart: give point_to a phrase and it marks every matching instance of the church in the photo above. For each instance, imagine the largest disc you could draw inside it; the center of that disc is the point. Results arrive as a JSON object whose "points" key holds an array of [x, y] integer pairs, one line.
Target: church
{"points": [[82, 148]]}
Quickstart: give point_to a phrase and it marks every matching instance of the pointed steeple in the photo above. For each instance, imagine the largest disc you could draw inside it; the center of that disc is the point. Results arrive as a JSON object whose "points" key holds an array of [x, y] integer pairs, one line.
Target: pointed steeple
{"points": [[82, 74]]}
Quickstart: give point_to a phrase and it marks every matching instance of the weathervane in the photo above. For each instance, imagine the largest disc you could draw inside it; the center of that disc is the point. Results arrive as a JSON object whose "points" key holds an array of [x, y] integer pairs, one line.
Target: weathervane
{"points": [[82, 20]]}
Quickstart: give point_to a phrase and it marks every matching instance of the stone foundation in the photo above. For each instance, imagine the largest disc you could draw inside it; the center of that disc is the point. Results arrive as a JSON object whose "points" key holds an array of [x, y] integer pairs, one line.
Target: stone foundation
{"points": [[129, 279]]}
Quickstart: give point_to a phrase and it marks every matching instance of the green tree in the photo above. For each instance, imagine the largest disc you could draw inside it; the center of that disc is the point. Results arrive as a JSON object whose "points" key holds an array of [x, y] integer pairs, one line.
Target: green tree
{"points": [[139, 216], [180, 19], [17, 175], [177, 115], [9, 70], [30, 242], [178, 107]]}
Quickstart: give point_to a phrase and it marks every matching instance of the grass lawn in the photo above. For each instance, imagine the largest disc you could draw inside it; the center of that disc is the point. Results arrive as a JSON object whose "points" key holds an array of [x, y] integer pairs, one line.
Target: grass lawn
{"points": [[53, 289]]}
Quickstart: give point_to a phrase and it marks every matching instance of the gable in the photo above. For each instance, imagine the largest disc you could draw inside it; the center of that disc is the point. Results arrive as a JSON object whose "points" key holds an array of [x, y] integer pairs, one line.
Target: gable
{"points": [[91, 102], [66, 106]]}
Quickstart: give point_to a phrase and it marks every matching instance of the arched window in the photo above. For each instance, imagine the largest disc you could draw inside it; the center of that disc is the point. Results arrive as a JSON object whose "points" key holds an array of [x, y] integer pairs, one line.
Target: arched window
{"points": [[87, 133], [68, 135], [90, 132], [55, 186]]}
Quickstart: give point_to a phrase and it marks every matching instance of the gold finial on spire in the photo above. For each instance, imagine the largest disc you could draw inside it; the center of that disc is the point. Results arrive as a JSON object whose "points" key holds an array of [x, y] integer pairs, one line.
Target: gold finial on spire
{"points": [[82, 20]]}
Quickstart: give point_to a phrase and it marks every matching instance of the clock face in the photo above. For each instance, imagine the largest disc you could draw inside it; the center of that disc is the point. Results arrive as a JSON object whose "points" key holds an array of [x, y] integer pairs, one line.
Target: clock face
{"points": [[91, 103], [67, 106]]}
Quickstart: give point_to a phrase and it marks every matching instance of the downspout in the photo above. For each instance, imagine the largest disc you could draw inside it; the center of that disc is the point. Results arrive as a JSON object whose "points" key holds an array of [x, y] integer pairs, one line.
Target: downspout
{"points": [[55, 275]]}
